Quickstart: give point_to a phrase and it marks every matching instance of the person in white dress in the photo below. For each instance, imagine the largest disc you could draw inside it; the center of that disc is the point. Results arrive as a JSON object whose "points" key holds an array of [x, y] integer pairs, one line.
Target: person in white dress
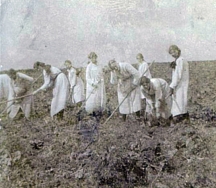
{"points": [[143, 69], [179, 84], [6, 90], [127, 78], [156, 90], [95, 88], [53, 77], [21, 84], [76, 83]]}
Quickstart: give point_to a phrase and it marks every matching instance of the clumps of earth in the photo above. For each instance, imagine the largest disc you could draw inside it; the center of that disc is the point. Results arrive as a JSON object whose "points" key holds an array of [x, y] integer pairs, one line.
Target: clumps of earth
{"points": [[88, 153]]}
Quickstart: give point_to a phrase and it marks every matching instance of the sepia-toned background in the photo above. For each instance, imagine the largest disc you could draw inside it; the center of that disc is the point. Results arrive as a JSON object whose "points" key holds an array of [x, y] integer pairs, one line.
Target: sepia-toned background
{"points": [[55, 30]]}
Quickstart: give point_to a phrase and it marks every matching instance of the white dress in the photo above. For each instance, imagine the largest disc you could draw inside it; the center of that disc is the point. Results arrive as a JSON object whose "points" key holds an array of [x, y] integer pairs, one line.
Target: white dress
{"points": [[95, 88], [60, 91], [144, 71], [77, 84], [158, 95], [22, 82], [125, 77], [6, 89], [180, 82]]}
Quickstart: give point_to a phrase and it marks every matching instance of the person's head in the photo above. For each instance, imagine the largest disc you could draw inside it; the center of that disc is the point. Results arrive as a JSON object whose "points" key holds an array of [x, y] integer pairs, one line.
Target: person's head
{"points": [[93, 57], [113, 65], [140, 58], [39, 65], [174, 51], [68, 64], [47, 69], [145, 82], [12, 74]]}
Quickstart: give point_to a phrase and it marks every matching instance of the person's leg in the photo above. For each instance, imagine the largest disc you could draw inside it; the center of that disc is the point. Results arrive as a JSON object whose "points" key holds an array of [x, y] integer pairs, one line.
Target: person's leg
{"points": [[138, 114], [124, 117], [186, 117], [143, 109]]}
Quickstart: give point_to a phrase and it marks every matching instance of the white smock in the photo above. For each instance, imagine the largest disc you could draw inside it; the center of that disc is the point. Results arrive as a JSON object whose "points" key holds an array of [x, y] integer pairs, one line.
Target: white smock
{"points": [[60, 84], [95, 88], [158, 95], [180, 82], [76, 86], [126, 77], [6, 89]]}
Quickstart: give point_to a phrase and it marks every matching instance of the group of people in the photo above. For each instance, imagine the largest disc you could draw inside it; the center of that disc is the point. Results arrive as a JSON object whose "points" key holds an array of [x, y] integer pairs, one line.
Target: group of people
{"points": [[138, 92]]}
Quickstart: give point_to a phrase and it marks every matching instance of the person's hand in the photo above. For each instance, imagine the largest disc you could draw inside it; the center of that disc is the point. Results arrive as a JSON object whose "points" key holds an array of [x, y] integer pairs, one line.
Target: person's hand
{"points": [[34, 92], [157, 115], [171, 91], [95, 86], [17, 101], [173, 65], [133, 86]]}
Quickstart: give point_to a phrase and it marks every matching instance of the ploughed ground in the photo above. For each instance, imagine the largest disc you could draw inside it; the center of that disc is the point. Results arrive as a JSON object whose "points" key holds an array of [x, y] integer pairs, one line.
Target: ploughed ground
{"points": [[68, 153]]}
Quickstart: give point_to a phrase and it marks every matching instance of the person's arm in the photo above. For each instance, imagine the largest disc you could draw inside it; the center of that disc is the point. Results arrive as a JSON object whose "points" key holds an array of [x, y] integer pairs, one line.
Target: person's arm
{"points": [[72, 78], [46, 82], [113, 77], [24, 76], [134, 73], [97, 78], [158, 97], [88, 75], [100, 76], [177, 74], [147, 96]]}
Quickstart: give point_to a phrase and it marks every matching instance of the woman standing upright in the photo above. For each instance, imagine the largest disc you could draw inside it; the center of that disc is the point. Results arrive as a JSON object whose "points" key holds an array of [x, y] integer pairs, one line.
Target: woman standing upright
{"points": [[76, 83], [179, 84], [53, 77], [95, 88]]}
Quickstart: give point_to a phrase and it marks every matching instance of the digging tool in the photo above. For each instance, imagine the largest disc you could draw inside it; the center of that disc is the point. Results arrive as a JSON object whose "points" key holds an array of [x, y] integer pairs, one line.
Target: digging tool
{"points": [[37, 79], [6, 108], [16, 98]]}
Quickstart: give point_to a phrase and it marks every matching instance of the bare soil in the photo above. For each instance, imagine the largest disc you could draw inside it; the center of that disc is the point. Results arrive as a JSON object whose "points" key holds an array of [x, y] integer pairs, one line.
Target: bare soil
{"points": [[67, 153]]}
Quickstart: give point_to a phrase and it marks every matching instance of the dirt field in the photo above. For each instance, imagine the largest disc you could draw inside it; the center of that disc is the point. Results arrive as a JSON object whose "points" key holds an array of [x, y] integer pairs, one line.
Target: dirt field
{"points": [[42, 153]]}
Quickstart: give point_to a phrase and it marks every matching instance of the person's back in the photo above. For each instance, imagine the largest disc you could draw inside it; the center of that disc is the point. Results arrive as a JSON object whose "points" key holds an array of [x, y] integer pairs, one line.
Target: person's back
{"points": [[6, 90], [5, 85]]}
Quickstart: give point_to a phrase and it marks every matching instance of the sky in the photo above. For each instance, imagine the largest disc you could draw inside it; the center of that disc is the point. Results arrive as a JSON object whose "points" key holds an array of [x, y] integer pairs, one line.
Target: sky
{"points": [[52, 31]]}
